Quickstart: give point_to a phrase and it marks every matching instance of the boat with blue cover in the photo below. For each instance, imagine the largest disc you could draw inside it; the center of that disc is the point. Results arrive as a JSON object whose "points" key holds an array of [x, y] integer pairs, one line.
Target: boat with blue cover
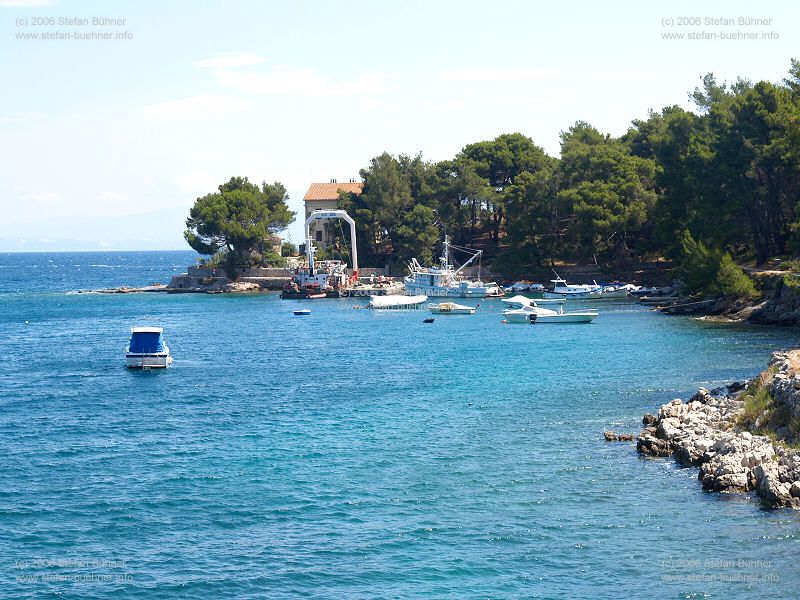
{"points": [[147, 349]]}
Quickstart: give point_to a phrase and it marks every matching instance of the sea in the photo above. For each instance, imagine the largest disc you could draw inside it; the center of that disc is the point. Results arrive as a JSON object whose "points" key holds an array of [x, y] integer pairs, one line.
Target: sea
{"points": [[355, 453]]}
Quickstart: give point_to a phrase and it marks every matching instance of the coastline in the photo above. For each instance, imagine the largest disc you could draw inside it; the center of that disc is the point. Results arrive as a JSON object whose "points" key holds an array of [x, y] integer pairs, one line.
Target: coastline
{"points": [[712, 431], [779, 303]]}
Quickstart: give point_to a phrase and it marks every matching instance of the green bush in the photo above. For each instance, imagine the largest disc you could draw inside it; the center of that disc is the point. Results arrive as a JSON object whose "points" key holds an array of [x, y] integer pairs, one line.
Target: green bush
{"points": [[792, 281], [288, 249], [757, 399], [711, 272]]}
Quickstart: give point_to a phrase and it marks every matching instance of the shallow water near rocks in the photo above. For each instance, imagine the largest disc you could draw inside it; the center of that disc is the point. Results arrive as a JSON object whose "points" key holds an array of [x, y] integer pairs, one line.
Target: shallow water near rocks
{"points": [[352, 453]]}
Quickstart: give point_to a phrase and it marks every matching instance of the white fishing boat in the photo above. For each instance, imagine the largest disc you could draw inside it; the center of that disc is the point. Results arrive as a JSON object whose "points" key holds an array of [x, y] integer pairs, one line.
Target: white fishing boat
{"points": [[451, 308], [614, 291], [445, 280], [396, 302], [562, 289], [585, 291], [527, 310], [147, 349]]}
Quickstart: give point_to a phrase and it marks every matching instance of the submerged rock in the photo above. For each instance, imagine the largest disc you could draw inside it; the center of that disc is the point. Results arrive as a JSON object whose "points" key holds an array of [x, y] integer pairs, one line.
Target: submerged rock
{"points": [[612, 436]]}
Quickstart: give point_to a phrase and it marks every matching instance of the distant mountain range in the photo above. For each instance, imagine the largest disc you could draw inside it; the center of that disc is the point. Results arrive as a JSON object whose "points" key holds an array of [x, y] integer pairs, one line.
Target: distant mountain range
{"points": [[157, 230]]}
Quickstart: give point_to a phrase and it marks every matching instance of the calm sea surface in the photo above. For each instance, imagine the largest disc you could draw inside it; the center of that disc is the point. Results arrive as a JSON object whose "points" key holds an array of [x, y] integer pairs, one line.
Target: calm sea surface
{"points": [[356, 454]]}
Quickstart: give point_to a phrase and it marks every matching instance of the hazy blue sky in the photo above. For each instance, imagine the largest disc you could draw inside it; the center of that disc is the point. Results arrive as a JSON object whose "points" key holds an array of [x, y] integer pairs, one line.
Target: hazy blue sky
{"points": [[93, 131]]}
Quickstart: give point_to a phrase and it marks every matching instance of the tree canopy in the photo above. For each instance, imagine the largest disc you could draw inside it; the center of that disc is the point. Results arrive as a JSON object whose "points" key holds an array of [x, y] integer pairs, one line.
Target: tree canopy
{"points": [[237, 222], [727, 173]]}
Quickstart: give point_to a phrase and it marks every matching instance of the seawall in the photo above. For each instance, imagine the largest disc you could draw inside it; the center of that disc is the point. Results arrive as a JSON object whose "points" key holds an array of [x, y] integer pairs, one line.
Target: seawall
{"points": [[200, 279]]}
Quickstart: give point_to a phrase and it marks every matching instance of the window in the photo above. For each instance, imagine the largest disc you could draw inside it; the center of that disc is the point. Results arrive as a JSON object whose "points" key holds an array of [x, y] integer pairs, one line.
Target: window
{"points": [[319, 235]]}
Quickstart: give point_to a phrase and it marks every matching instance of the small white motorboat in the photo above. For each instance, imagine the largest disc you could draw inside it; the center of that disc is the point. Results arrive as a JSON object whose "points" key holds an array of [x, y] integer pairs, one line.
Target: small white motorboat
{"points": [[562, 289], [451, 308], [302, 312], [396, 302], [147, 349], [528, 311], [613, 291]]}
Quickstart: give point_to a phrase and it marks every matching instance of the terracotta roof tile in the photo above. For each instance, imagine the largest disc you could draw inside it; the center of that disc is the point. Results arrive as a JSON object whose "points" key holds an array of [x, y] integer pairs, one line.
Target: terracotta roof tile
{"points": [[330, 191]]}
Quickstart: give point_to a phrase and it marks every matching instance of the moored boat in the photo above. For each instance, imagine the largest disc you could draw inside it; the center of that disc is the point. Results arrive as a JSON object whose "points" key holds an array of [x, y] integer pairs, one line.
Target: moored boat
{"points": [[446, 281], [382, 286], [451, 308], [147, 349], [528, 311], [562, 289], [396, 302], [584, 291], [324, 278]]}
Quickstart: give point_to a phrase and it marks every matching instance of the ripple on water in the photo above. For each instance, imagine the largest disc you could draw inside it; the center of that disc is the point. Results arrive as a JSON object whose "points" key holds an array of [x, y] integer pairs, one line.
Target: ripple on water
{"points": [[357, 453]]}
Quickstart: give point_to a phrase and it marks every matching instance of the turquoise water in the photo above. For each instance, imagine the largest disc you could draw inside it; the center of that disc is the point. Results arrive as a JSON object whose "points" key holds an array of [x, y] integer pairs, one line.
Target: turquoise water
{"points": [[356, 454]]}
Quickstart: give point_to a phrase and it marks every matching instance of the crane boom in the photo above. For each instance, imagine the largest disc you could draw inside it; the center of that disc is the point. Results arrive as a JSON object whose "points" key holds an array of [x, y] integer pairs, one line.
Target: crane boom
{"points": [[331, 214]]}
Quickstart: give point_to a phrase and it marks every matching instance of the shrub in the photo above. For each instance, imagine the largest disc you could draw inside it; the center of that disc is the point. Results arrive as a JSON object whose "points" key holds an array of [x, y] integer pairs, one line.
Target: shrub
{"points": [[711, 272], [288, 249], [757, 400]]}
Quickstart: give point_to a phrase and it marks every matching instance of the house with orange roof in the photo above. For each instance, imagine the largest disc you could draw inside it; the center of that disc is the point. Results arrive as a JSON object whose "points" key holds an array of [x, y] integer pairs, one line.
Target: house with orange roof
{"points": [[325, 196]]}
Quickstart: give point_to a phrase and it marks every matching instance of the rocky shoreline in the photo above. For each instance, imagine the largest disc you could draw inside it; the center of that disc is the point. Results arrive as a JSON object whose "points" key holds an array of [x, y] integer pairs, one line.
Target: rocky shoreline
{"points": [[710, 432], [779, 303]]}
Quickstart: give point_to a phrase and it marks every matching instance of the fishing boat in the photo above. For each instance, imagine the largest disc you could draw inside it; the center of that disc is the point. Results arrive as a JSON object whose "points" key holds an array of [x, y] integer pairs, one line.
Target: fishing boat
{"points": [[324, 278], [147, 349], [451, 308], [396, 302], [526, 310], [445, 280]]}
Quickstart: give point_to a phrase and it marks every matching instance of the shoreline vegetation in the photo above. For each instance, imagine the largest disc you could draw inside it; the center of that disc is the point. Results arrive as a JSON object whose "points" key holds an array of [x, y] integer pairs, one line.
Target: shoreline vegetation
{"points": [[693, 194]]}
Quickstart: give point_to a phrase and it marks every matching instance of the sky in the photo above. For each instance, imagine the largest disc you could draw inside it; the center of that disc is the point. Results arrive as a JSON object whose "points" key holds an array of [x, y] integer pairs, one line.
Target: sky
{"points": [[106, 143]]}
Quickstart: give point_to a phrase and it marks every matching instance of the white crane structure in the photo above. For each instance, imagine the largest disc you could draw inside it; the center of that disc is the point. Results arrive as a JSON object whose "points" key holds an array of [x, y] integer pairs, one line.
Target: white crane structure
{"points": [[330, 214]]}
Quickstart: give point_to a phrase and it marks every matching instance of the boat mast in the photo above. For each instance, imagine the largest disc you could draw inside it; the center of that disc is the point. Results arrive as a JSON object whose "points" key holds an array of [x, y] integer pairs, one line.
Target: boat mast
{"points": [[474, 256]]}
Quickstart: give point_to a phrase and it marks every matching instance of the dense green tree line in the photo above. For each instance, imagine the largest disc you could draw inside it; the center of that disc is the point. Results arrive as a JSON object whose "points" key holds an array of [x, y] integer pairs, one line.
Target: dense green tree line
{"points": [[727, 175]]}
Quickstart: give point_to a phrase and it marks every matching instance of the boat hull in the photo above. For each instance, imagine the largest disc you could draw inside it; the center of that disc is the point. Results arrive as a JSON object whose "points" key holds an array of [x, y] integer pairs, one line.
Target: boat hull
{"points": [[396, 302], [303, 295], [586, 317], [575, 295], [524, 316], [148, 361], [413, 289]]}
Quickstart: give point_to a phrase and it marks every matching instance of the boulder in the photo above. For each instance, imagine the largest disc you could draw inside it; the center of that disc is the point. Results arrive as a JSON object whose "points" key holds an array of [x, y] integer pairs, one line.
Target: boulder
{"points": [[649, 419], [612, 436], [648, 443]]}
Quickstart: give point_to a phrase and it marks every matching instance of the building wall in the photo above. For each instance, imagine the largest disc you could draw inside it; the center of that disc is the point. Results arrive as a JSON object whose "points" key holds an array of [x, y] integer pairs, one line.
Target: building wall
{"points": [[319, 226]]}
